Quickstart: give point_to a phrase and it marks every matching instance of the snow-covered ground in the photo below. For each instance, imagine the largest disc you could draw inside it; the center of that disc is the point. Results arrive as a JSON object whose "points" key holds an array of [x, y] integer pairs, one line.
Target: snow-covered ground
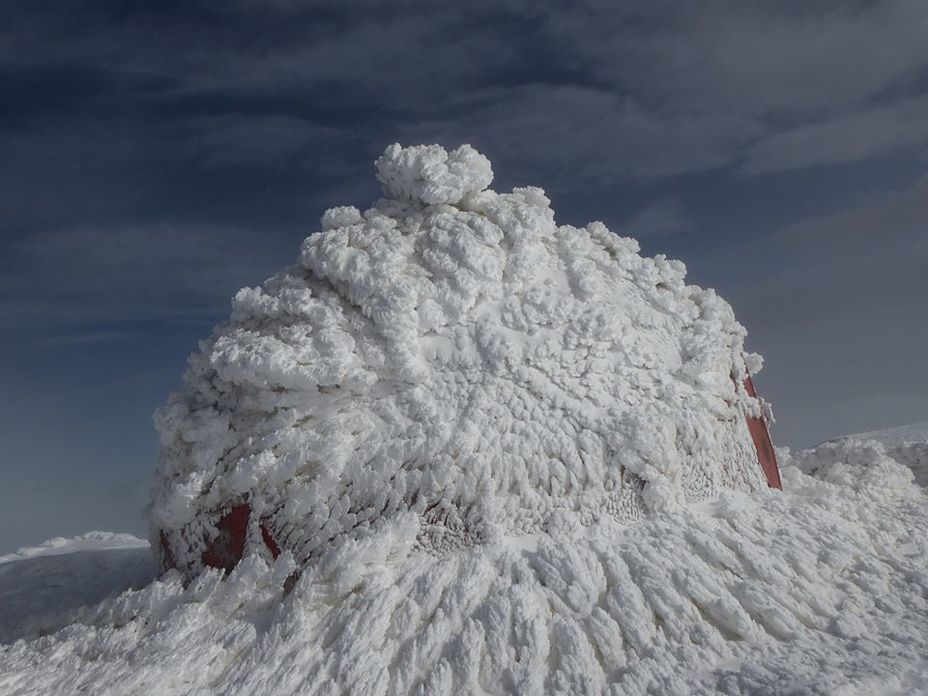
{"points": [[820, 589], [91, 541], [42, 588]]}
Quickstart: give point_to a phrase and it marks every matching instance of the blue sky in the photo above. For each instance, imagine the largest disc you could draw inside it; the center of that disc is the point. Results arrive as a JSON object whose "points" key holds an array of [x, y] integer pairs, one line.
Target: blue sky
{"points": [[154, 157]]}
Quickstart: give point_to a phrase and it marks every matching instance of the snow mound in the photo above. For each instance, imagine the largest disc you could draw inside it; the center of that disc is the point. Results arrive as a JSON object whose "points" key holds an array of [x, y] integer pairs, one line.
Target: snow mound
{"points": [[900, 435], [821, 589], [905, 445], [449, 368], [43, 588], [91, 541]]}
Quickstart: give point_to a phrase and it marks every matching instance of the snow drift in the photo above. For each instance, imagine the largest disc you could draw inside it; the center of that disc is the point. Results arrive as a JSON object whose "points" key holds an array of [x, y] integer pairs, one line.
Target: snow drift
{"points": [[450, 368], [818, 590]]}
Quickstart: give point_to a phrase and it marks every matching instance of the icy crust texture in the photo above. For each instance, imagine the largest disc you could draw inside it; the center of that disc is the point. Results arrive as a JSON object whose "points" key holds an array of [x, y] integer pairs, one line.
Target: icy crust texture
{"points": [[819, 590], [453, 366]]}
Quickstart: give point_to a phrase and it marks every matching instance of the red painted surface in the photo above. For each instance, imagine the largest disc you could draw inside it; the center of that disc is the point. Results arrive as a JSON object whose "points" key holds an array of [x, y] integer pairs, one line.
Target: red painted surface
{"points": [[226, 549], [761, 436], [269, 541], [167, 556]]}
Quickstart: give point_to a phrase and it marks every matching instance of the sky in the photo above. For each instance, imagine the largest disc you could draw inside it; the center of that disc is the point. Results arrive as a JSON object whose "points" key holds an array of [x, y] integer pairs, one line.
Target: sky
{"points": [[155, 157]]}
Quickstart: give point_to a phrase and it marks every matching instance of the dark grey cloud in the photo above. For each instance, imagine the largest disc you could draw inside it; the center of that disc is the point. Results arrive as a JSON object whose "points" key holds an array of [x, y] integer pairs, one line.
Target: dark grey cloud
{"points": [[577, 136], [268, 140], [139, 271], [76, 338], [663, 88], [660, 217], [868, 133], [786, 60], [886, 229]]}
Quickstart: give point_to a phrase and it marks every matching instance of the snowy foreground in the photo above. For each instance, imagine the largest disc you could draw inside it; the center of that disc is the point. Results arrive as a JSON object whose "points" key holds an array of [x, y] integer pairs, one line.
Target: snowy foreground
{"points": [[819, 589]]}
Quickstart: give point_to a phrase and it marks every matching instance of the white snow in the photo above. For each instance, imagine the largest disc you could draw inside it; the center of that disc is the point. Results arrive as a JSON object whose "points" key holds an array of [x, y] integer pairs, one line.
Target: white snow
{"points": [[821, 589], [904, 443], [430, 175], [900, 435], [510, 458]]}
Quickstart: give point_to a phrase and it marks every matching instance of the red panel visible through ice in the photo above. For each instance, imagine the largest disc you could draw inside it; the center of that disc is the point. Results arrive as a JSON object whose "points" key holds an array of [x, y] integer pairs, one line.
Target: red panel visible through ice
{"points": [[226, 549], [761, 436], [269, 541], [167, 556]]}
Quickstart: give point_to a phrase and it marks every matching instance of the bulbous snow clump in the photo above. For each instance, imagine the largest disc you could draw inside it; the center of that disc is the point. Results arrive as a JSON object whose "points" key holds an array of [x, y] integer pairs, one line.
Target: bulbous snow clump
{"points": [[450, 368]]}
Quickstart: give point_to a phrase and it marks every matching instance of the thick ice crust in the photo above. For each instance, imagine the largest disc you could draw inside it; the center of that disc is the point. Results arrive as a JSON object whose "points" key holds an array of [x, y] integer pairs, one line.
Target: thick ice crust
{"points": [[453, 358]]}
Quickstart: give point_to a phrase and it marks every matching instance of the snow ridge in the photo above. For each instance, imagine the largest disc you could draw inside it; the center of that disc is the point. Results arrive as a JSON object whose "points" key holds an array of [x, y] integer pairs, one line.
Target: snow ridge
{"points": [[89, 541]]}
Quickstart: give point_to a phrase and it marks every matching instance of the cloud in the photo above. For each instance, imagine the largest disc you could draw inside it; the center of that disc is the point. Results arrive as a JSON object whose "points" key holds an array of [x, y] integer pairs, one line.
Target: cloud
{"points": [[893, 224], [863, 264], [77, 338], [660, 217], [854, 137], [782, 61], [869, 244], [630, 92], [136, 272], [574, 137], [265, 139], [836, 303]]}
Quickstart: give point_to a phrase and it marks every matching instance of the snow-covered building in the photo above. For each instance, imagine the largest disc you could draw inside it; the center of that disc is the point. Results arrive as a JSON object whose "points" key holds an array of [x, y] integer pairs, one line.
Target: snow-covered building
{"points": [[442, 422], [452, 366]]}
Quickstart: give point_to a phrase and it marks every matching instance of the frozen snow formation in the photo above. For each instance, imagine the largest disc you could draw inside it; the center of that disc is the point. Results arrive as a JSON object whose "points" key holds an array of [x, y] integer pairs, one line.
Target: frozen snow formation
{"points": [[819, 590], [445, 418], [451, 369]]}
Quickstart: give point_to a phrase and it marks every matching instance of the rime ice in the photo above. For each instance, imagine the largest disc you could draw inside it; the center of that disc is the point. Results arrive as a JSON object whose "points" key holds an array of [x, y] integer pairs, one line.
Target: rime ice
{"points": [[453, 365], [428, 175]]}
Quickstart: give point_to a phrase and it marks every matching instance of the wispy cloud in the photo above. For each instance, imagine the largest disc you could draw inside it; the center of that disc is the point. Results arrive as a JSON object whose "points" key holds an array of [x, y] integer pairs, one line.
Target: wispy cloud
{"points": [[893, 223], [269, 140], [660, 217], [863, 260], [136, 271], [638, 90], [77, 338], [577, 136], [851, 137]]}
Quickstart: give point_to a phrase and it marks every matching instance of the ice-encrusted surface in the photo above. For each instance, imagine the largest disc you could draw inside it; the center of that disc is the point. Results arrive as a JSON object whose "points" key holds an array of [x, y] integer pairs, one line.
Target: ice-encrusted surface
{"points": [[452, 366], [449, 414], [430, 175], [820, 589]]}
